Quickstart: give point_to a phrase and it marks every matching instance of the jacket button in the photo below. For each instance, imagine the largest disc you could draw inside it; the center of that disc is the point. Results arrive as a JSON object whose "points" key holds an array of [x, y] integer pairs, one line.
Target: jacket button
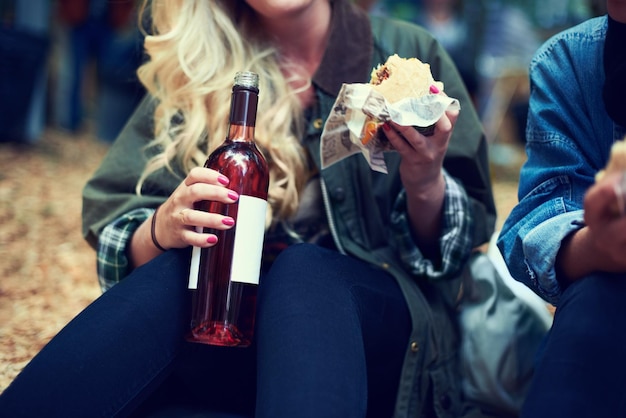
{"points": [[339, 194], [445, 402], [415, 346], [318, 123]]}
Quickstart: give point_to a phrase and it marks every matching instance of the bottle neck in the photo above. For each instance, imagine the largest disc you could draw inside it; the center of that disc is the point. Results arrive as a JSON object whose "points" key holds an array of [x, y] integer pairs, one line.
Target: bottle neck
{"points": [[243, 108]]}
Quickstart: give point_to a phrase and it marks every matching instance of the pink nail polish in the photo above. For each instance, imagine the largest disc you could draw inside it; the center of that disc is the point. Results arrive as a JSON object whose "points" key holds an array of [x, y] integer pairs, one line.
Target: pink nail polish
{"points": [[228, 221], [222, 179], [233, 195], [212, 239], [434, 89]]}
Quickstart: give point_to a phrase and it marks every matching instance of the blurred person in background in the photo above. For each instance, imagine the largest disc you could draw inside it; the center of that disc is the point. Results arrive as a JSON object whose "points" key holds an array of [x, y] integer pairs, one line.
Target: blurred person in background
{"points": [[488, 40], [24, 51], [552, 16], [103, 33], [446, 20]]}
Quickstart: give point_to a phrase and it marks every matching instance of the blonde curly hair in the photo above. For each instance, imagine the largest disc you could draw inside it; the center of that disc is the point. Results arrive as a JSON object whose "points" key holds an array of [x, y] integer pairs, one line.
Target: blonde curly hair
{"points": [[194, 49]]}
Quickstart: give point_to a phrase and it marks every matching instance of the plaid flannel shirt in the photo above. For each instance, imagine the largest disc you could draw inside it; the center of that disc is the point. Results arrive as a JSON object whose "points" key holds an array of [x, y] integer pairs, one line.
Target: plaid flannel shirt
{"points": [[112, 263], [455, 241]]}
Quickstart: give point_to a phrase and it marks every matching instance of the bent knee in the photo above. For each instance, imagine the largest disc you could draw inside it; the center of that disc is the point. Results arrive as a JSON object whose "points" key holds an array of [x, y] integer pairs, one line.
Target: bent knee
{"points": [[590, 309]]}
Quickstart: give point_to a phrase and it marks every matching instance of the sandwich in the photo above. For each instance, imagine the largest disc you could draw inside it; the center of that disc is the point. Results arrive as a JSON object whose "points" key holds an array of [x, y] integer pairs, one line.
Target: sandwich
{"points": [[400, 78], [397, 79]]}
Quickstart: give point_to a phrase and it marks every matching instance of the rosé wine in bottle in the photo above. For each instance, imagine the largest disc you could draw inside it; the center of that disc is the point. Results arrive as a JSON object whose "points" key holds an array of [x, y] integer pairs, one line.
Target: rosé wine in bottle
{"points": [[224, 278]]}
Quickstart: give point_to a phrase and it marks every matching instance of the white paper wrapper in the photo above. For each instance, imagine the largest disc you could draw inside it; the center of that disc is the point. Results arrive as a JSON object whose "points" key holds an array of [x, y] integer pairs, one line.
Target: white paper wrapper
{"points": [[352, 125]]}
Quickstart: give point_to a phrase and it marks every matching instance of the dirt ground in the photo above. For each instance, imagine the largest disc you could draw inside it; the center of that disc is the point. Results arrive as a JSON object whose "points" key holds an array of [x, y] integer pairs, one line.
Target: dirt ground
{"points": [[47, 271]]}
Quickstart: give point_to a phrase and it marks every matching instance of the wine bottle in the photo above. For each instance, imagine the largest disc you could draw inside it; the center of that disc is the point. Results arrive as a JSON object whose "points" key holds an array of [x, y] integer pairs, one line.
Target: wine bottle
{"points": [[224, 278]]}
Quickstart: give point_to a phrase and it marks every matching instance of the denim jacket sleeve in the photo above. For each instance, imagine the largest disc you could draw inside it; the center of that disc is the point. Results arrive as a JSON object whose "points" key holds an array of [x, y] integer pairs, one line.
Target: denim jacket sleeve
{"points": [[568, 139]]}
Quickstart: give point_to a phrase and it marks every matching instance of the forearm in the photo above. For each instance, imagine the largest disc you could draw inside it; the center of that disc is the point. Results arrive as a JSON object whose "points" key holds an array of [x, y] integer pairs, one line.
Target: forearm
{"points": [[580, 256], [424, 208], [141, 248], [450, 243], [599, 245], [574, 260]]}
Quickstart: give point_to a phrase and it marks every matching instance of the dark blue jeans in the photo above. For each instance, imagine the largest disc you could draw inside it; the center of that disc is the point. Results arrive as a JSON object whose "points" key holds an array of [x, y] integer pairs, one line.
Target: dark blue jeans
{"points": [[331, 333], [582, 368]]}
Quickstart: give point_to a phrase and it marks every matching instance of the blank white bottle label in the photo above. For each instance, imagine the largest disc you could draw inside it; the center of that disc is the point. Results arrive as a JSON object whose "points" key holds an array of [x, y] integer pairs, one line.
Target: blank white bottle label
{"points": [[248, 248], [249, 234], [194, 266]]}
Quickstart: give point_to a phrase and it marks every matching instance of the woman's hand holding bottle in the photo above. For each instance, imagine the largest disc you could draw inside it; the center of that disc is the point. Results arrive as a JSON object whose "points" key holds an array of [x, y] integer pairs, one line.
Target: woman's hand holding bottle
{"points": [[176, 222], [422, 176]]}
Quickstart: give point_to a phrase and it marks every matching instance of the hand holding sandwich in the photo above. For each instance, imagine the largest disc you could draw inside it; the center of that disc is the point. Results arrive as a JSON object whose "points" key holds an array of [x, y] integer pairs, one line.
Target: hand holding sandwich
{"points": [[421, 173], [401, 92], [601, 244]]}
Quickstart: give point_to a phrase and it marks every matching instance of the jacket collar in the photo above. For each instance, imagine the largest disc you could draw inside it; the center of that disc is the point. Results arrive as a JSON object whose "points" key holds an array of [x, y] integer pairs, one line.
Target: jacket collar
{"points": [[349, 52]]}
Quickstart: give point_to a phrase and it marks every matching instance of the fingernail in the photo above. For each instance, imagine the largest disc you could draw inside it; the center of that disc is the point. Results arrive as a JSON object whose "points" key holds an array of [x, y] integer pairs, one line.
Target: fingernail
{"points": [[434, 89], [233, 195], [228, 221], [386, 127], [223, 179], [212, 239]]}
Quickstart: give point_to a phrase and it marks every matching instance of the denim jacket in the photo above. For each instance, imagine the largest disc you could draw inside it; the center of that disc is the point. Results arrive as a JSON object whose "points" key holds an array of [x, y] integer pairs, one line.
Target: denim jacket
{"points": [[568, 140]]}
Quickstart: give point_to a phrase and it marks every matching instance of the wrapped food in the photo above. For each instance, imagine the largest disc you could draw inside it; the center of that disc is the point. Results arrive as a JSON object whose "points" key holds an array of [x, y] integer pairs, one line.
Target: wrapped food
{"points": [[400, 90], [616, 164], [400, 78], [617, 160]]}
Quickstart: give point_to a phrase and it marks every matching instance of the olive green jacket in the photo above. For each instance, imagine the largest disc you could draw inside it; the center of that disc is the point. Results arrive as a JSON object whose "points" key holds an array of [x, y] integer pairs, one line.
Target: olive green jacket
{"points": [[359, 201]]}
